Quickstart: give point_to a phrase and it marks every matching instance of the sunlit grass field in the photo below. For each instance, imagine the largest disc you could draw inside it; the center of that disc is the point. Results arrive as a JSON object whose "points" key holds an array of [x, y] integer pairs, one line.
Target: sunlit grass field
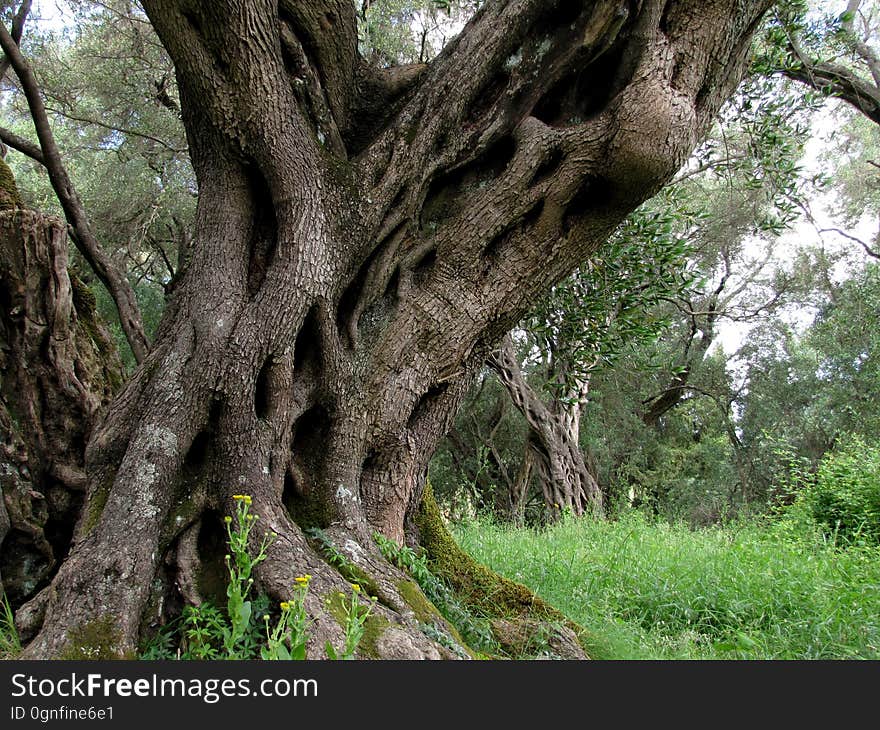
{"points": [[651, 590]]}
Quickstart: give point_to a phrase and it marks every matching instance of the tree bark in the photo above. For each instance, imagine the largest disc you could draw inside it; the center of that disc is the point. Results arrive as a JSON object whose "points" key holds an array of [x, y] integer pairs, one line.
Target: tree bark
{"points": [[363, 239], [58, 366]]}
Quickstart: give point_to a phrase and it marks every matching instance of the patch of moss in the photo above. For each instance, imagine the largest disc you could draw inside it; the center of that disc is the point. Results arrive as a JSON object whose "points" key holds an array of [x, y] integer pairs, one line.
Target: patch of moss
{"points": [[95, 508], [335, 603], [308, 513], [353, 574], [412, 132], [480, 589], [374, 626], [95, 640], [84, 300], [425, 611], [10, 198]]}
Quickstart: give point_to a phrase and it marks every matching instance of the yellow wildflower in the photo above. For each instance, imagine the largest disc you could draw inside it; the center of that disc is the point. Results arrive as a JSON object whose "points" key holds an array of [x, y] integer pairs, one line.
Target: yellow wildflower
{"points": [[239, 497], [303, 579], [227, 519], [355, 587], [285, 606]]}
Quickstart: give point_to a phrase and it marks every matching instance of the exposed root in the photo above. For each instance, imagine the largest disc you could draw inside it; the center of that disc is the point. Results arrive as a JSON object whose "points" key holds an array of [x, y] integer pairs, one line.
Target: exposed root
{"points": [[520, 619]]}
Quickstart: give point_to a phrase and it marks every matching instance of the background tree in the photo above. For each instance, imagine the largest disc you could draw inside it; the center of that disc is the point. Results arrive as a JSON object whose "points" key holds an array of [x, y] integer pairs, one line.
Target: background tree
{"points": [[110, 95], [730, 204], [48, 154]]}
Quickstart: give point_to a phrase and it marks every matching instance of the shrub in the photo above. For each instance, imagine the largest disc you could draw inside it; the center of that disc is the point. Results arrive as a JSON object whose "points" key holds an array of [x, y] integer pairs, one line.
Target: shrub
{"points": [[843, 495]]}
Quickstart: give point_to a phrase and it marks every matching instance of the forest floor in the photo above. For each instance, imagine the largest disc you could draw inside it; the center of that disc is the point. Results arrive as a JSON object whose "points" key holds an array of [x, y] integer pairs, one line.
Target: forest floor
{"points": [[647, 589]]}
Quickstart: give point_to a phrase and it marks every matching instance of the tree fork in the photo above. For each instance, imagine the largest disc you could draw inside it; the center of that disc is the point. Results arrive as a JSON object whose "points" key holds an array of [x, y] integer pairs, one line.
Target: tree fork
{"points": [[341, 293]]}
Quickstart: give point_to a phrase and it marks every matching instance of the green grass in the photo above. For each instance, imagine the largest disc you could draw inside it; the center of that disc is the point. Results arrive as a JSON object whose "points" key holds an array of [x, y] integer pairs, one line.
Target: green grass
{"points": [[10, 646], [650, 590]]}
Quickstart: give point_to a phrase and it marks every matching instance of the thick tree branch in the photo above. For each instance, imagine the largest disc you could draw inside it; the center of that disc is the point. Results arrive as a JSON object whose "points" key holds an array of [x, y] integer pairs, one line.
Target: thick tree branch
{"points": [[841, 82], [24, 146], [837, 80]]}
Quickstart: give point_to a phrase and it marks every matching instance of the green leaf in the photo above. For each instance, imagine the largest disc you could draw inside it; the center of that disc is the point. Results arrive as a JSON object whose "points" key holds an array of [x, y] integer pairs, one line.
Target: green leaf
{"points": [[244, 613]]}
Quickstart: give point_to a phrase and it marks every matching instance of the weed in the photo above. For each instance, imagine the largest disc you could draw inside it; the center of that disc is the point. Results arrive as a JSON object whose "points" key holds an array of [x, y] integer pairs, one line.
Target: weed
{"points": [[10, 644]]}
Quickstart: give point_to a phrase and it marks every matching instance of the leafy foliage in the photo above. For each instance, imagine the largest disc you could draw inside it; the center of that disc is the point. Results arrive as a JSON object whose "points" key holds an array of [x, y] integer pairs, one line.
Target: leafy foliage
{"points": [[475, 631], [842, 496]]}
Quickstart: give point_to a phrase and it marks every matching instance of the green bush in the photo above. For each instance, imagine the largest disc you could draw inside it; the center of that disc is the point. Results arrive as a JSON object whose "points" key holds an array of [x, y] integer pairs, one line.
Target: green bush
{"points": [[842, 497]]}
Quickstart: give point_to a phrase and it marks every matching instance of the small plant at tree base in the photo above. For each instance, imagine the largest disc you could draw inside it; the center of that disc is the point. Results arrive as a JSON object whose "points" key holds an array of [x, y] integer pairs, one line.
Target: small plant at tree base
{"points": [[287, 640], [356, 616], [10, 644], [334, 555], [207, 634], [240, 565], [204, 631]]}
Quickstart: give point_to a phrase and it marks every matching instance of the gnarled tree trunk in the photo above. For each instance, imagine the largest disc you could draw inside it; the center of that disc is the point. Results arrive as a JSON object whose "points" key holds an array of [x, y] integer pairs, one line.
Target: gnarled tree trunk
{"points": [[363, 239], [553, 444], [58, 366]]}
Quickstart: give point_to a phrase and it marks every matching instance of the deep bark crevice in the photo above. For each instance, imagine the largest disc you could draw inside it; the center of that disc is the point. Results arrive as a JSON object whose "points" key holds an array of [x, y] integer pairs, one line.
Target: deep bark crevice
{"points": [[594, 193], [548, 167], [307, 346], [447, 195], [488, 96], [264, 242], [211, 549], [495, 248]]}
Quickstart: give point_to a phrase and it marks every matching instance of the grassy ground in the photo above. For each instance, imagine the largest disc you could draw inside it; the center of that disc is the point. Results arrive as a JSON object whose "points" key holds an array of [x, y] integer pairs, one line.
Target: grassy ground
{"points": [[658, 591]]}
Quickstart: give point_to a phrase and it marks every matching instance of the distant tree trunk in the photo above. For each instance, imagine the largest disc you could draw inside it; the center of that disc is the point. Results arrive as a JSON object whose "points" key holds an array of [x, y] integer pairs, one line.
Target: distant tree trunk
{"points": [[553, 440], [363, 239], [697, 344]]}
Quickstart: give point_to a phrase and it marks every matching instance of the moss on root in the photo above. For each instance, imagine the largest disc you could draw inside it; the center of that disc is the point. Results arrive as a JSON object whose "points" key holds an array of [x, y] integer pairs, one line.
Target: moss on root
{"points": [[374, 627], [424, 610], [95, 507], [353, 574], [476, 586], [9, 195], [95, 639], [308, 512]]}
